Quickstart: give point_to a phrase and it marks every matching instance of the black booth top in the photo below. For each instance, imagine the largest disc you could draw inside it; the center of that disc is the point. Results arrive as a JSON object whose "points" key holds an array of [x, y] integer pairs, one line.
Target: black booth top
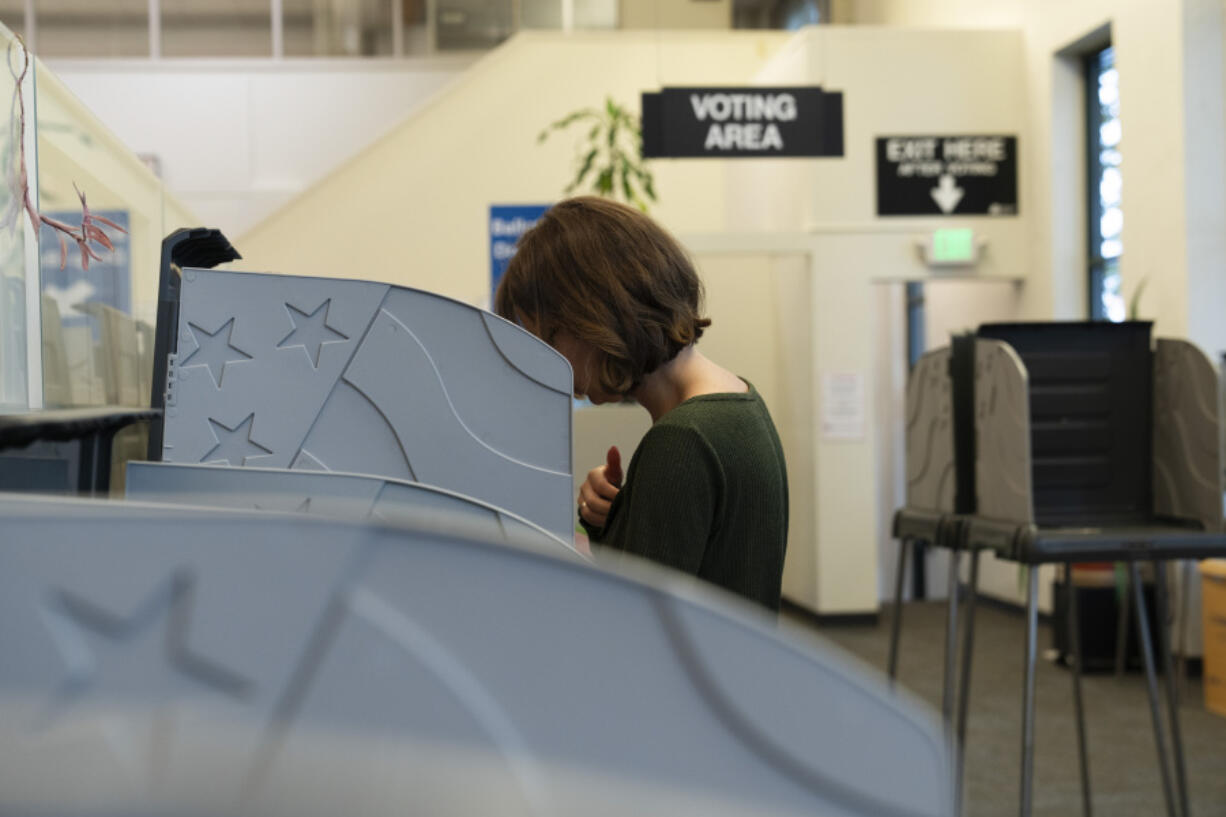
{"points": [[19, 430]]}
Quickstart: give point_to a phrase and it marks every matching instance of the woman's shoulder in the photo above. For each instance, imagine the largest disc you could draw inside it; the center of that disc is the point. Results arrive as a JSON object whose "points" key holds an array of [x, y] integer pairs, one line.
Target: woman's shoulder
{"points": [[699, 408]]}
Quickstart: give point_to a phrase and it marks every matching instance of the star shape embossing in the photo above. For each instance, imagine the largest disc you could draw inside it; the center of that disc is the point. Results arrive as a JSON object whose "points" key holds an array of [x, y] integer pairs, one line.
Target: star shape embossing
{"points": [[96, 643], [311, 331], [213, 350], [141, 655], [234, 445]]}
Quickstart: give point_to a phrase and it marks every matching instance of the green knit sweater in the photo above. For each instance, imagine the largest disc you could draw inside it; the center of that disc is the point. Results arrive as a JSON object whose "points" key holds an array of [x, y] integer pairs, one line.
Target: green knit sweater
{"points": [[706, 493]]}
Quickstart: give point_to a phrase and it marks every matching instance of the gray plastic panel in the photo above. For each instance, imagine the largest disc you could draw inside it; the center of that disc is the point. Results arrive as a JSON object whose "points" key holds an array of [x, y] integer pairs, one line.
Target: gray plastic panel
{"points": [[1187, 459], [931, 480], [169, 661], [345, 496], [280, 371], [1002, 434]]}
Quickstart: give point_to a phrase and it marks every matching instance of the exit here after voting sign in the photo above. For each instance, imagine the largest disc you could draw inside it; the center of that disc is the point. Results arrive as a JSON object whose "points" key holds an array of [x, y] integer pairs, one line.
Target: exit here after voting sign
{"points": [[965, 175], [742, 122]]}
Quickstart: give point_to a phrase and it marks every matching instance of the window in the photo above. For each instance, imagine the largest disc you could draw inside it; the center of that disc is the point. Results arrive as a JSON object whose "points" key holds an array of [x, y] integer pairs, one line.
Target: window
{"points": [[351, 29], [1106, 217], [215, 28], [79, 28]]}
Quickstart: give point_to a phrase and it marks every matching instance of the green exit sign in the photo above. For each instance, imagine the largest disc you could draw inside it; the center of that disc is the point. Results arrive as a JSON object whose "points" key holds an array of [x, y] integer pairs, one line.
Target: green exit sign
{"points": [[950, 247]]}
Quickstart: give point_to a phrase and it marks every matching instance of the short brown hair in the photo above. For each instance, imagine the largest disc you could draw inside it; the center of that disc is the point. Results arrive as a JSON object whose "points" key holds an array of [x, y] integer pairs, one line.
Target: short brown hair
{"points": [[611, 277]]}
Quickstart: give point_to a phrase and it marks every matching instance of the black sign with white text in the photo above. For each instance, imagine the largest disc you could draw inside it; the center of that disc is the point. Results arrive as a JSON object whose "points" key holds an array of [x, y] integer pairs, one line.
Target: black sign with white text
{"points": [[747, 122], [972, 175]]}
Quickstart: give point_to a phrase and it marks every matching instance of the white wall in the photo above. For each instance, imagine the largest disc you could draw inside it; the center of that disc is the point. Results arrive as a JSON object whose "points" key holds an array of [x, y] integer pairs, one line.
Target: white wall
{"points": [[238, 139]]}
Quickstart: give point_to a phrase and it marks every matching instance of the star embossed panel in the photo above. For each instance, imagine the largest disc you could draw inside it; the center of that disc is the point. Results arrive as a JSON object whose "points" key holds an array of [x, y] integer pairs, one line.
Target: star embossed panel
{"points": [[165, 660], [279, 371]]}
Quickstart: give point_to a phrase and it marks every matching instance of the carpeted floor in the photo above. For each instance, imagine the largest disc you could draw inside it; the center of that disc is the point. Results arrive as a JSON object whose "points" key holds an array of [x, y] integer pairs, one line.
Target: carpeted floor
{"points": [[1123, 761]]}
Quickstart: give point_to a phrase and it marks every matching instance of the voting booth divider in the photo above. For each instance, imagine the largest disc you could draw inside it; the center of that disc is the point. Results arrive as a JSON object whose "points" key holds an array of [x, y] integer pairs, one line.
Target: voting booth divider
{"points": [[214, 661], [278, 371], [1063, 443], [335, 495]]}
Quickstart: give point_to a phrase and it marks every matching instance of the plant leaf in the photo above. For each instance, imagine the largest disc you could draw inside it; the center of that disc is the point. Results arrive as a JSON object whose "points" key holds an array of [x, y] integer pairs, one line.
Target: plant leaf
{"points": [[108, 222], [1134, 303], [583, 170], [566, 122], [604, 182], [97, 235]]}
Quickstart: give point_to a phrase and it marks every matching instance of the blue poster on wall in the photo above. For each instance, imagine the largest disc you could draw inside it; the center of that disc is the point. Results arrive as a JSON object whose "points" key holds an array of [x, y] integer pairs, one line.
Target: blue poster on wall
{"points": [[107, 281], [507, 223]]}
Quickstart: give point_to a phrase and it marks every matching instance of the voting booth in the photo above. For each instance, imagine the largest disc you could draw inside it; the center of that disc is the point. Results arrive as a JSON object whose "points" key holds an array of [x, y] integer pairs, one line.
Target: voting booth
{"points": [[204, 661], [317, 374], [1060, 443]]}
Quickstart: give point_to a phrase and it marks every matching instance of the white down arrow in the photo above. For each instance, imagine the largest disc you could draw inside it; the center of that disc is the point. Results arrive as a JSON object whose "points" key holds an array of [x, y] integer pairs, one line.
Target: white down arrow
{"points": [[947, 194]]}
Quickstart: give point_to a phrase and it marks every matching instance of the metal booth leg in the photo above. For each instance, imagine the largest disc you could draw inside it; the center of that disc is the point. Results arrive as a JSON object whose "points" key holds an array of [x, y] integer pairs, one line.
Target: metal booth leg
{"points": [[1172, 693], [1184, 604], [1121, 628], [1074, 636], [1032, 632], [1147, 652], [964, 689], [951, 643], [896, 616]]}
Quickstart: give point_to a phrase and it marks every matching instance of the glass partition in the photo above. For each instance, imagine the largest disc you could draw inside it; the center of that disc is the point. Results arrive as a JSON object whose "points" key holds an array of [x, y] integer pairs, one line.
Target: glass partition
{"points": [[18, 259], [93, 297], [76, 322]]}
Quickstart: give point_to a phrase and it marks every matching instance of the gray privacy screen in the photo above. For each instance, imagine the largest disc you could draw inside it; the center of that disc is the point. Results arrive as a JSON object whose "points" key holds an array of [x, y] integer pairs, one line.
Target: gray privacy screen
{"points": [[282, 371], [347, 496], [162, 660]]}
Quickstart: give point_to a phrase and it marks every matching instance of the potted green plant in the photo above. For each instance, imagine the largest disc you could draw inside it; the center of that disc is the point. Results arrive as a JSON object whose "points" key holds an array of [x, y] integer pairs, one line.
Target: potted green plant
{"points": [[610, 154]]}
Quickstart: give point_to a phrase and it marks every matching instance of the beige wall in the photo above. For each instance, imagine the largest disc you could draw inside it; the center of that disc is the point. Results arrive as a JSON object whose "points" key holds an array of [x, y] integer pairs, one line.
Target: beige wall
{"points": [[675, 14], [934, 82], [1169, 57], [761, 329], [930, 13], [412, 208]]}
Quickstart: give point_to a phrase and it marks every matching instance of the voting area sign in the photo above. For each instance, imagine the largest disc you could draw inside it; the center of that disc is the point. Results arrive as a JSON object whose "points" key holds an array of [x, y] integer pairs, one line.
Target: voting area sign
{"points": [[744, 122], [969, 175], [507, 223]]}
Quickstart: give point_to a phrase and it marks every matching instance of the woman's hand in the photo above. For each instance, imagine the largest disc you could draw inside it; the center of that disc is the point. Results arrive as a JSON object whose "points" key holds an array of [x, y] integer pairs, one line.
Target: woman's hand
{"points": [[602, 485]]}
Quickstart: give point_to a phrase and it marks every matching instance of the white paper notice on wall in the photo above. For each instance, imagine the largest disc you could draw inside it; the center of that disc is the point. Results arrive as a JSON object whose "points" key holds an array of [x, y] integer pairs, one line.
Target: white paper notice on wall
{"points": [[843, 406]]}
